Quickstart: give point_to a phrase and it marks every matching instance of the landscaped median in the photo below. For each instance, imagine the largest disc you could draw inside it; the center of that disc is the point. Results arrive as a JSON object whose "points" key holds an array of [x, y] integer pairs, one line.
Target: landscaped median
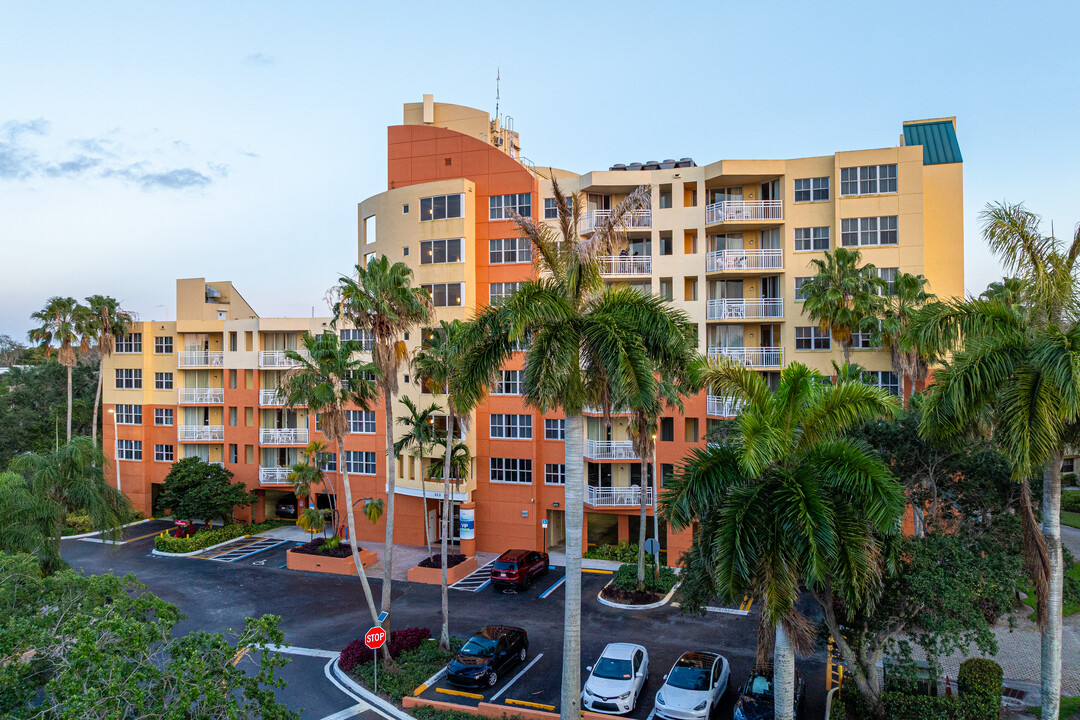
{"points": [[328, 555], [622, 592], [165, 544]]}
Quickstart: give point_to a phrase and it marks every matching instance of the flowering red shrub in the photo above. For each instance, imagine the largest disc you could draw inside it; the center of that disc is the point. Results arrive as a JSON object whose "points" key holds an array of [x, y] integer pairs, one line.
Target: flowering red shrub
{"points": [[357, 653]]}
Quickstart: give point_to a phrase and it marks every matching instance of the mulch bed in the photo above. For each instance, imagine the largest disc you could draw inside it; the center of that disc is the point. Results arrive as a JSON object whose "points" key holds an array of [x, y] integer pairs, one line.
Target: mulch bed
{"points": [[312, 548], [629, 597], [436, 561]]}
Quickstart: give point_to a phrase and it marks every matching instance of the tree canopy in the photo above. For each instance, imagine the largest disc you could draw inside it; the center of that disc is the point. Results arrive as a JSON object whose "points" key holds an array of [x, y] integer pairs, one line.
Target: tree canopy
{"points": [[197, 489]]}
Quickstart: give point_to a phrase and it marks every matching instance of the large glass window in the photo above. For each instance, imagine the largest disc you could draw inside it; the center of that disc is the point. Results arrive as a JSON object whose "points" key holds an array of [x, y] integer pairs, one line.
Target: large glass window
{"points": [[163, 453], [362, 463], [497, 291], [554, 429], [129, 414], [868, 180], [441, 207], [163, 345], [129, 449], [886, 380], [811, 189], [869, 231], [812, 337], [554, 474], [799, 282], [440, 251], [509, 250], [163, 416], [511, 426], [445, 294], [361, 421], [509, 383], [128, 379], [130, 343], [510, 470], [163, 381], [500, 206], [812, 238]]}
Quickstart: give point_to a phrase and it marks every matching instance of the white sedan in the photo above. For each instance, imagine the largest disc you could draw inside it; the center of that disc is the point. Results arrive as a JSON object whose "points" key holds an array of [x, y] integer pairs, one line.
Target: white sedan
{"points": [[694, 686], [617, 679]]}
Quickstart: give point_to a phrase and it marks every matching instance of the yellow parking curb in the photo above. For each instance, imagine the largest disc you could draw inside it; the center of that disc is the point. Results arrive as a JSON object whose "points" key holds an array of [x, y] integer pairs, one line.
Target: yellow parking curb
{"points": [[747, 601], [526, 703], [598, 572], [239, 654], [419, 691], [474, 696]]}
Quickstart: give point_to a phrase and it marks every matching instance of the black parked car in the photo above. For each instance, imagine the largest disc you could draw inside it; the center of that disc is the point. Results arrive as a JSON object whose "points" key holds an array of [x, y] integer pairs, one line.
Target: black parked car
{"points": [[756, 696], [487, 654], [287, 507]]}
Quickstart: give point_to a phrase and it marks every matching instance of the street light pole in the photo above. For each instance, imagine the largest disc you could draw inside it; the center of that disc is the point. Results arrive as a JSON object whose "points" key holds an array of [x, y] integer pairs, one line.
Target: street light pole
{"points": [[116, 447]]}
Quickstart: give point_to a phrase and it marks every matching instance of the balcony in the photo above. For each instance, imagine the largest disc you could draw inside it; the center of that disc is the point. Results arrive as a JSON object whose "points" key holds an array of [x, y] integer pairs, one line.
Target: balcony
{"points": [[617, 496], [270, 398], [277, 359], [745, 309], [202, 396], [592, 410], [610, 450], [720, 406], [283, 436], [744, 210], [200, 433], [622, 265], [763, 357], [744, 260], [274, 475], [200, 358], [637, 219]]}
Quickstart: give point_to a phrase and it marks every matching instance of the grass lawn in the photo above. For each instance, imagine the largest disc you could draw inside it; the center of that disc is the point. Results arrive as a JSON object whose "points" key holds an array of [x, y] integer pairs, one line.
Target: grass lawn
{"points": [[1068, 608], [1072, 519], [1070, 708], [415, 666]]}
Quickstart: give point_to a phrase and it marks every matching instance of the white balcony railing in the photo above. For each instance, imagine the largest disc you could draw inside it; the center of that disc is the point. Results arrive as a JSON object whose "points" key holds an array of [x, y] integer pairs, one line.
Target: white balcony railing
{"points": [[624, 265], [721, 260], [274, 475], [200, 358], [610, 450], [617, 496], [283, 436], [277, 359], [745, 309], [200, 433], [592, 410], [739, 210], [722, 406], [271, 398], [767, 357], [219, 463], [592, 219], [202, 396]]}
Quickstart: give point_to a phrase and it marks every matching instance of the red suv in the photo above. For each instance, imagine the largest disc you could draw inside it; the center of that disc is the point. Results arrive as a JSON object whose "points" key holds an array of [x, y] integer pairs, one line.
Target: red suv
{"points": [[517, 568]]}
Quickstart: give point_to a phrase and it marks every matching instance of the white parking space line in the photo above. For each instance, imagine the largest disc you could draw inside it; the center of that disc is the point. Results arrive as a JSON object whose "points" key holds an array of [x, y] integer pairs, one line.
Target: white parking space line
{"points": [[348, 712], [553, 588], [309, 652], [330, 676], [475, 581], [515, 678], [726, 611]]}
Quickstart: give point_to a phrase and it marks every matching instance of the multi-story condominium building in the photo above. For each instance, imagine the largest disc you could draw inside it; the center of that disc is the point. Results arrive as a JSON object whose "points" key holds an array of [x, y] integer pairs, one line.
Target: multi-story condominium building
{"points": [[729, 242]]}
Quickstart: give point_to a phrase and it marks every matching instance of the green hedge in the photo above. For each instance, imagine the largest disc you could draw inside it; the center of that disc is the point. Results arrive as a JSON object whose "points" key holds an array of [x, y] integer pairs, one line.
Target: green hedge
{"points": [[623, 552], [979, 676], [899, 706], [205, 538], [626, 578], [1070, 501]]}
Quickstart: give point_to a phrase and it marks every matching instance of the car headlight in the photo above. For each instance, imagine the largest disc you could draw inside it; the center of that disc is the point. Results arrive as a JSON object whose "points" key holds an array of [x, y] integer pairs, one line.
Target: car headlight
{"points": [[588, 691], [701, 705], [660, 699], [624, 695]]}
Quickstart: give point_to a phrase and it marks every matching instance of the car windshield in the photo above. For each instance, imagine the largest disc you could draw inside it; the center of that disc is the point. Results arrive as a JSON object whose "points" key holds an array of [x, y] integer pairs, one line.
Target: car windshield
{"points": [[610, 669], [689, 678], [505, 566], [761, 687], [478, 647]]}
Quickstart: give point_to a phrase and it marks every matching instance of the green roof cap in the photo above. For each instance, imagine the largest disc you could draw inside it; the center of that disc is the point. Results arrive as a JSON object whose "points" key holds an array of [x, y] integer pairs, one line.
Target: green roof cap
{"points": [[938, 140]]}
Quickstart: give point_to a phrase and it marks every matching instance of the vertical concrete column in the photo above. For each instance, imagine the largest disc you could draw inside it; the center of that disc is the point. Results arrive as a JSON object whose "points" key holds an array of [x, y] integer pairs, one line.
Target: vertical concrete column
{"points": [[467, 528], [624, 529]]}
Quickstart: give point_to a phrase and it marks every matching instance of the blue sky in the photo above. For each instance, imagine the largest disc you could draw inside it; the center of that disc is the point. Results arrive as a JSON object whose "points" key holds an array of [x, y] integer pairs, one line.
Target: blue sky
{"points": [[141, 142]]}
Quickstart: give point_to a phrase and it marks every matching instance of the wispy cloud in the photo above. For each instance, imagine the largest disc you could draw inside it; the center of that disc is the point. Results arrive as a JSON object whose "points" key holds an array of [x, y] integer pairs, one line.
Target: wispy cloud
{"points": [[17, 162], [259, 58]]}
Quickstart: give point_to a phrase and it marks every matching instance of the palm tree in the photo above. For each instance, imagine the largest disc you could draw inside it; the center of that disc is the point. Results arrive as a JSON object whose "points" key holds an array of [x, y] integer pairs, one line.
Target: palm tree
{"points": [[420, 436], [906, 295], [787, 501], [587, 343], [1017, 363], [382, 302], [326, 381], [304, 475], [437, 364], [842, 297], [52, 484], [63, 328], [105, 321]]}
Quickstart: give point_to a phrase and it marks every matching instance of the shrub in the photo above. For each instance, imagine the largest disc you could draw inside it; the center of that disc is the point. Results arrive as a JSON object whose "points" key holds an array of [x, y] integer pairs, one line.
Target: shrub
{"points": [[899, 706], [79, 523], [357, 653], [1068, 480], [205, 538], [982, 677], [435, 561], [321, 546], [1070, 501], [626, 579], [623, 552], [837, 711]]}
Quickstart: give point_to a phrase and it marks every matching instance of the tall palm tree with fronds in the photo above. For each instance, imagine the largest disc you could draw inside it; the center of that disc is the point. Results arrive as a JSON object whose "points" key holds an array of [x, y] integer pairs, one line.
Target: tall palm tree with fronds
{"points": [[843, 296], [787, 501], [382, 302], [306, 474], [49, 485], [105, 321], [906, 295], [587, 344], [1017, 364], [437, 365], [419, 436], [62, 330], [327, 381]]}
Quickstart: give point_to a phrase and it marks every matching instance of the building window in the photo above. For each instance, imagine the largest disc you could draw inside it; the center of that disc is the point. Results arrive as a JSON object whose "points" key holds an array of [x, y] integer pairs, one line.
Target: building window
{"points": [[500, 206], [362, 463], [361, 421], [887, 380], [667, 429], [369, 230], [667, 474], [163, 345], [441, 207], [551, 209], [128, 414], [1068, 465], [867, 339], [163, 453], [509, 383], [811, 189], [510, 470], [555, 429], [498, 291], [405, 209], [130, 343], [811, 337], [440, 251], [368, 258], [129, 449], [234, 455], [163, 381], [328, 462], [509, 250], [128, 379], [365, 338], [445, 294], [163, 417], [554, 474], [799, 281], [511, 426], [889, 276], [666, 245], [869, 231], [812, 238], [868, 180]]}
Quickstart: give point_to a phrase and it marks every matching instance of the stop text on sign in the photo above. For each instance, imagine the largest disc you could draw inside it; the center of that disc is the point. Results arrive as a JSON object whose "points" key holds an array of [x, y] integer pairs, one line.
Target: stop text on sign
{"points": [[375, 637]]}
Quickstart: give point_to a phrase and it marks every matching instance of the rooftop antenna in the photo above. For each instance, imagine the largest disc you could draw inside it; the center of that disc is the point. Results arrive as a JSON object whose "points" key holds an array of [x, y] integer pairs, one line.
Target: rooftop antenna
{"points": [[497, 76]]}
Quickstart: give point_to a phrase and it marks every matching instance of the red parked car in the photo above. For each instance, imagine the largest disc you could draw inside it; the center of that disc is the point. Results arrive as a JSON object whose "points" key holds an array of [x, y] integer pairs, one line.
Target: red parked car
{"points": [[517, 568]]}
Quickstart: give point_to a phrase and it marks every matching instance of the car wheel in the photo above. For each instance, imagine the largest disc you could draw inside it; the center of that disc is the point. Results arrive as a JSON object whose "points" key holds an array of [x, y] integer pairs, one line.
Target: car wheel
{"points": [[528, 581], [493, 677], [521, 655], [547, 569]]}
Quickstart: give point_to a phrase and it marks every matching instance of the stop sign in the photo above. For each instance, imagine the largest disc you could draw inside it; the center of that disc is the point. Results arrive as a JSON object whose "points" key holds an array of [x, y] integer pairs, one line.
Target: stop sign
{"points": [[375, 637]]}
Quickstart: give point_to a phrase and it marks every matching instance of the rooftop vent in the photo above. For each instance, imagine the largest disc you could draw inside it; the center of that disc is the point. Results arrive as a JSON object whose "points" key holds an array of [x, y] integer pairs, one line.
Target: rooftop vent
{"points": [[654, 165]]}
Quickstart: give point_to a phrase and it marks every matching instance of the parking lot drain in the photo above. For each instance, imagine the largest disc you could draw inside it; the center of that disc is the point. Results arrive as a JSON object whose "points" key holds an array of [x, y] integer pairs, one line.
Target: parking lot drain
{"points": [[462, 693], [526, 703]]}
